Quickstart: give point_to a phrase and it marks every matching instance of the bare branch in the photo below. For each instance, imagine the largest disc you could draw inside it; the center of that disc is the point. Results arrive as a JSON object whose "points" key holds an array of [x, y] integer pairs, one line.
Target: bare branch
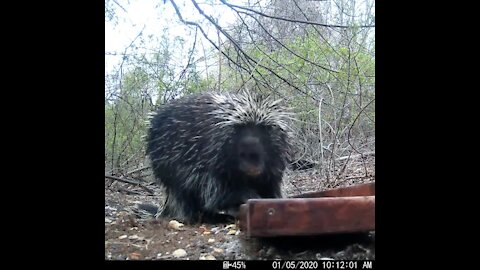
{"points": [[204, 34], [137, 170], [119, 6], [240, 49], [355, 120], [129, 182], [189, 63], [318, 32], [290, 20], [288, 49]]}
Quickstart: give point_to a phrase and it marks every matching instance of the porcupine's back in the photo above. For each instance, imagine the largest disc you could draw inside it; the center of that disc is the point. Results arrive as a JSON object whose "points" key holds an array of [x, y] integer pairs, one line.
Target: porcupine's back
{"points": [[179, 133]]}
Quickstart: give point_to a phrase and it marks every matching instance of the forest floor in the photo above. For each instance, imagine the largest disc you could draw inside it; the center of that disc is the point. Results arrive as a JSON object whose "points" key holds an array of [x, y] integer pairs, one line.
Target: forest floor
{"points": [[129, 236]]}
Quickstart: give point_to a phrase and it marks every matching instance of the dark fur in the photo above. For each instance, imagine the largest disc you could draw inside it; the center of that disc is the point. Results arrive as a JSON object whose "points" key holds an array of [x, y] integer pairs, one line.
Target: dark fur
{"points": [[207, 152]]}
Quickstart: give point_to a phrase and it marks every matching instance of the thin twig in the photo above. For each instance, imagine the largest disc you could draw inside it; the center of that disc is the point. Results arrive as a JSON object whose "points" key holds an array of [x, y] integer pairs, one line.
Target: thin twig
{"points": [[129, 182], [204, 34], [138, 170], [291, 20]]}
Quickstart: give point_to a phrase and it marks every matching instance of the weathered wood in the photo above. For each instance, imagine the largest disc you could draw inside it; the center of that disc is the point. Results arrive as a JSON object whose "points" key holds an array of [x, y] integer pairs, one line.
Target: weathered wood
{"points": [[307, 216], [356, 190]]}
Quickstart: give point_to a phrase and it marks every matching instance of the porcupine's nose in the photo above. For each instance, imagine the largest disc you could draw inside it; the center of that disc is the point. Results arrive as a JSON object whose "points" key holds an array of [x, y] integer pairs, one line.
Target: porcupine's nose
{"points": [[253, 171], [250, 154]]}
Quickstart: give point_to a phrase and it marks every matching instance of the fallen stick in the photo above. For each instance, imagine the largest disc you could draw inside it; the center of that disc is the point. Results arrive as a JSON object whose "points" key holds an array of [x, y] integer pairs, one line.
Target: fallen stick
{"points": [[129, 182]]}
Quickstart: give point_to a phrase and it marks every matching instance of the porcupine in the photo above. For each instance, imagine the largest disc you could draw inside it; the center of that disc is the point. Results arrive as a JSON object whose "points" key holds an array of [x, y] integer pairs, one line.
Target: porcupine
{"points": [[214, 151]]}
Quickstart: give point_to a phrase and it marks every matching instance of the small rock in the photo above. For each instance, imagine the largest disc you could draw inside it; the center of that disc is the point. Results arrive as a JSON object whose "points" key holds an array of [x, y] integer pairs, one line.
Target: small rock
{"points": [[206, 233], [159, 255], [122, 236], [231, 232], [215, 230], [261, 253], [135, 256], [173, 224], [237, 233], [211, 240], [270, 252], [218, 250], [107, 220], [207, 257], [179, 253], [326, 259], [133, 237], [111, 209]]}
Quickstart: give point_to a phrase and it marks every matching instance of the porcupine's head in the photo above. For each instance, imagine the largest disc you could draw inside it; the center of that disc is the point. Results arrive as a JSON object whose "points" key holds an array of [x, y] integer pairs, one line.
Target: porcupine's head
{"points": [[255, 135], [229, 137]]}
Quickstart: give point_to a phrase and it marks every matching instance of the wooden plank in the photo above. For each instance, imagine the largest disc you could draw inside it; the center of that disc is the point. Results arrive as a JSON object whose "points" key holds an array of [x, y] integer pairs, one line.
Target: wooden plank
{"points": [[367, 189], [307, 216]]}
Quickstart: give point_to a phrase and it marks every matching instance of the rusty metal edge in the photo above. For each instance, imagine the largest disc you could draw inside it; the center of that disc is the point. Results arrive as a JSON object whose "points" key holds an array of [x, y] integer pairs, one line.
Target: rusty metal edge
{"points": [[367, 189]]}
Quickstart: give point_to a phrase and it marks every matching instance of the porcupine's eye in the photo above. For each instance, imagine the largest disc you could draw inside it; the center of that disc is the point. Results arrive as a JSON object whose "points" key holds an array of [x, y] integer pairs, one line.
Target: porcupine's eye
{"points": [[250, 153]]}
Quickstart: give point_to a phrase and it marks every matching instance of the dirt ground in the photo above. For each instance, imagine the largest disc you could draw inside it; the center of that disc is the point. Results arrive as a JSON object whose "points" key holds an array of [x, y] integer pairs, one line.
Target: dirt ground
{"points": [[131, 236]]}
